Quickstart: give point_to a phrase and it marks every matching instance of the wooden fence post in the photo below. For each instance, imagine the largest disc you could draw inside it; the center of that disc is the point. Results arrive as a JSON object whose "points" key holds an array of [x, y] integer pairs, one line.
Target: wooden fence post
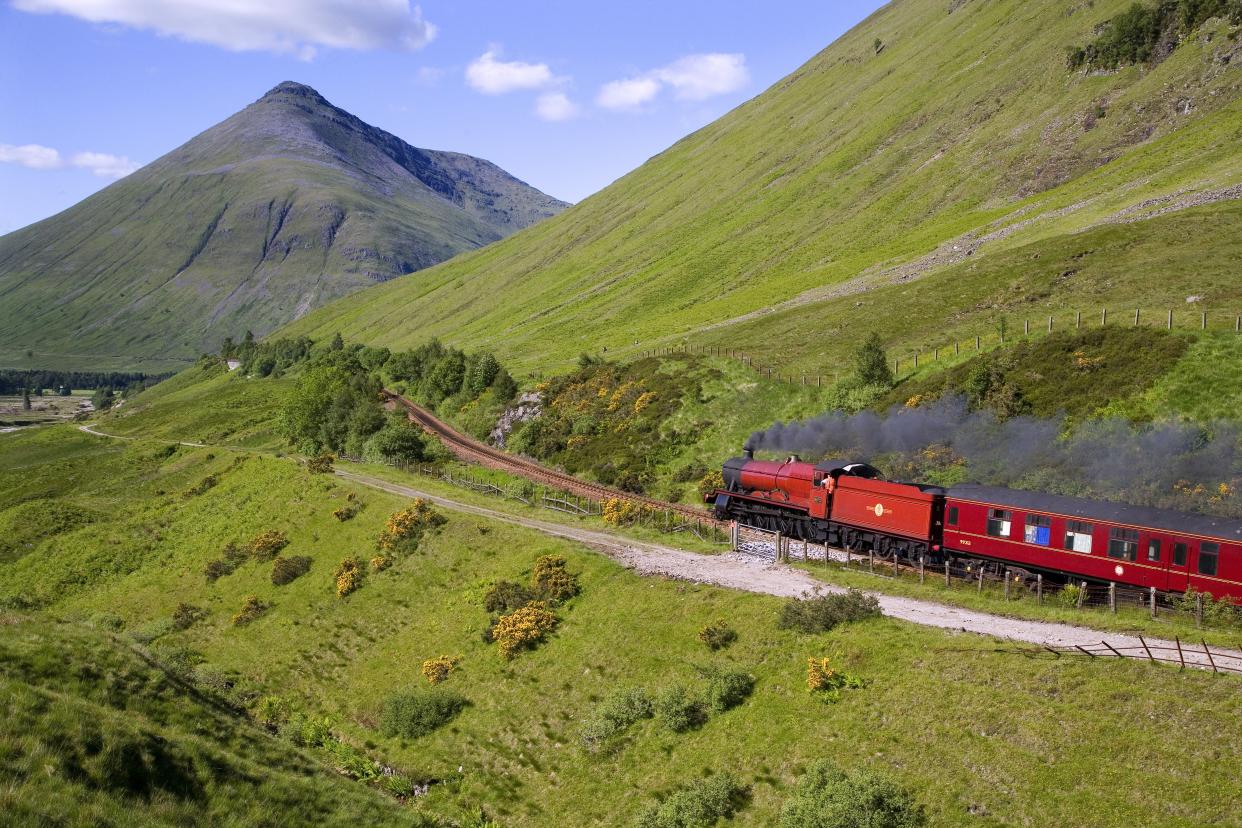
{"points": [[1136, 317], [1078, 319], [1026, 327], [1049, 323], [1112, 596], [1039, 589], [980, 588], [921, 580], [1237, 324], [1103, 316], [946, 572], [956, 351], [871, 559], [1006, 583], [1170, 322], [1198, 609], [1203, 324], [780, 542], [1153, 602], [976, 343], [1082, 593]]}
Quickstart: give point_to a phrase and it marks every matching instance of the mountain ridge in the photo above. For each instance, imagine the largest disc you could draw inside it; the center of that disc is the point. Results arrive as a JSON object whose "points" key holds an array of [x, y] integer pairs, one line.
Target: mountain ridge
{"points": [[287, 204]]}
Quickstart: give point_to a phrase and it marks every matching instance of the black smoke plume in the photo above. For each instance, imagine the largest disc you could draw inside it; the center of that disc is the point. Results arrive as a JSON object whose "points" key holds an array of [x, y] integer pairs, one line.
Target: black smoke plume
{"points": [[1158, 464]]}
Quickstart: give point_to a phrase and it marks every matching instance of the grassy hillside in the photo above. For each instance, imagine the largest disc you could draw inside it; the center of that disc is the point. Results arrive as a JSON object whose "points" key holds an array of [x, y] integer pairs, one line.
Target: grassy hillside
{"points": [[964, 139], [284, 206], [999, 739], [97, 732]]}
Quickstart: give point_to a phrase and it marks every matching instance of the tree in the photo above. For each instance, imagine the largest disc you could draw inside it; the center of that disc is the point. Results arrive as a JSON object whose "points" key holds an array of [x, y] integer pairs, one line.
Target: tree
{"points": [[398, 440], [102, 398], [871, 363], [337, 342], [26, 399]]}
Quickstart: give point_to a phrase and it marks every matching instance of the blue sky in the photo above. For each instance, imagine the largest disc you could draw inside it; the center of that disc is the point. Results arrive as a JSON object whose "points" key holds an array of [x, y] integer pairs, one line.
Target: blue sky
{"points": [[566, 95]]}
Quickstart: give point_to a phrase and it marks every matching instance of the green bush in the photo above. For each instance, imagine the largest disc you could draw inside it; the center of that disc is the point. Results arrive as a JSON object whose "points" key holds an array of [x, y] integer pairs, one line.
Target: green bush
{"points": [[505, 596], [551, 581], [828, 797], [614, 715], [697, 805], [727, 689], [717, 635], [187, 615], [232, 557], [419, 712], [821, 613], [287, 570], [1069, 596], [680, 711]]}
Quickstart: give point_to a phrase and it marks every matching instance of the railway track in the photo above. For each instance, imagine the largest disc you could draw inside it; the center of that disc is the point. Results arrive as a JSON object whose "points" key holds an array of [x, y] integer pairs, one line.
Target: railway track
{"points": [[474, 451]]}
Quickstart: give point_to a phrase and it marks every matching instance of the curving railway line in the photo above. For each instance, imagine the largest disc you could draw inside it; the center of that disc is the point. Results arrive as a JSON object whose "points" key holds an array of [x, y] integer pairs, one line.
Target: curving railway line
{"points": [[474, 451]]}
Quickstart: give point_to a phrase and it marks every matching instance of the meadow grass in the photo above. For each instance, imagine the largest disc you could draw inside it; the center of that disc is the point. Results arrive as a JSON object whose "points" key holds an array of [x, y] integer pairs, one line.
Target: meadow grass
{"points": [[980, 730]]}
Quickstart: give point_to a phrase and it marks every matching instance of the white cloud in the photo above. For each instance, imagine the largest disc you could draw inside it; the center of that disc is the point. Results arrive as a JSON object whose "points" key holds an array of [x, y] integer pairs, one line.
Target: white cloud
{"points": [[36, 157], [555, 106], [495, 77], [104, 165], [628, 94], [695, 77], [294, 27], [30, 155], [692, 78]]}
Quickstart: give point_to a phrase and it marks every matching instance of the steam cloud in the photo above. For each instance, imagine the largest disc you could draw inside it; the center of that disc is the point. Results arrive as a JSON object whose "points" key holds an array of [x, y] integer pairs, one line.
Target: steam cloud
{"points": [[1107, 457]]}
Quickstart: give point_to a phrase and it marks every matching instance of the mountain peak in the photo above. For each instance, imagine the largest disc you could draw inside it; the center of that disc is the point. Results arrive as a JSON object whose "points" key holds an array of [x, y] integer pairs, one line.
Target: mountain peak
{"points": [[294, 88]]}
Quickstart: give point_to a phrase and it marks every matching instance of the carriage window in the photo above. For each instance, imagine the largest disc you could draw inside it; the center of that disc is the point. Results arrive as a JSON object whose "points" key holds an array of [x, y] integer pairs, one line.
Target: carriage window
{"points": [[999, 522], [1209, 553], [1179, 554], [1078, 536], [1153, 549], [1123, 543], [953, 516], [1039, 529]]}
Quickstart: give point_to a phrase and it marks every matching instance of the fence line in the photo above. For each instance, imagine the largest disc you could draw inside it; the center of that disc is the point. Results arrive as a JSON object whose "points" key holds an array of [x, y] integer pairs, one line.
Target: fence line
{"points": [[1007, 584], [977, 343]]}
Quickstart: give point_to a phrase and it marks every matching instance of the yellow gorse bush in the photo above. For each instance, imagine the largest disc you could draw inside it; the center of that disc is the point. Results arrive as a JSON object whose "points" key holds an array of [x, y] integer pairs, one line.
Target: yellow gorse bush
{"points": [[381, 562], [349, 574], [267, 544], [819, 674], [404, 528], [523, 628], [621, 512], [437, 669]]}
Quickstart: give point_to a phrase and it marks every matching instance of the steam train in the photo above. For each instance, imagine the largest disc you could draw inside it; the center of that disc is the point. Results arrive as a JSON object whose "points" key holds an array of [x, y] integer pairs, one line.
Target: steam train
{"points": [[849, 504]]}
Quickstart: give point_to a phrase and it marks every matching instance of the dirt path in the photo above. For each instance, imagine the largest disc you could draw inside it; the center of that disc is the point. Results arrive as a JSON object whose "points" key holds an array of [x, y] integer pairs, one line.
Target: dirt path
{"points": [[751, 574]]}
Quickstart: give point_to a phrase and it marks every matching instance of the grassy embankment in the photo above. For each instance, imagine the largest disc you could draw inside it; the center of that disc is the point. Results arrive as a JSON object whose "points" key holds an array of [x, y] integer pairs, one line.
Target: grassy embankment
{"points": [[971, 727]]}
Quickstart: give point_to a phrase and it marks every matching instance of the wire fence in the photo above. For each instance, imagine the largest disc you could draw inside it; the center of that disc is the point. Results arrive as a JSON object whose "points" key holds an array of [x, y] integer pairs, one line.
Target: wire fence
{"points": [[1006, 585], [665, 521], [910, 358]]}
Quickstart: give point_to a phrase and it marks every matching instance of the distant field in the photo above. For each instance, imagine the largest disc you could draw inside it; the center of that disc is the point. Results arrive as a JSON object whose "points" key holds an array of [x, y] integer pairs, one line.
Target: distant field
{"points": [[46, 409]]}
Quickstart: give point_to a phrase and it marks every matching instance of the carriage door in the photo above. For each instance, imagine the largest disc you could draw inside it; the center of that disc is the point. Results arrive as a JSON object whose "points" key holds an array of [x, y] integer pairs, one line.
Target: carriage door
{"points": [[1178, 551]]}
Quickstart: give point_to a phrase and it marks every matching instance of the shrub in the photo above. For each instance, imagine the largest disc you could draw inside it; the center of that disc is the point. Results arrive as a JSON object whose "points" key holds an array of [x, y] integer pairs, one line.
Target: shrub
{"points": [[551, 581], [1069, 596], [381, 562], [717, 635], [266, 545], [187, 615], [678, 710], [506, 596], [208, 482], [287, 570], [405, 529], [232, 557], [349, 574], [710, 482], [347, 512], [251, 610], [523, 628], [419, 712], [321, 464], [727, 689], [614, 716], [821, 613], [828, 797], [822, 678], [697, 805], [437, 669]]}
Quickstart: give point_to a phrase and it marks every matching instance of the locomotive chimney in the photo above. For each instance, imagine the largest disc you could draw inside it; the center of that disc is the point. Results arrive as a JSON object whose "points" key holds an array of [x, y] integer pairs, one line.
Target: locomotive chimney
{"points": [[748, 453]]}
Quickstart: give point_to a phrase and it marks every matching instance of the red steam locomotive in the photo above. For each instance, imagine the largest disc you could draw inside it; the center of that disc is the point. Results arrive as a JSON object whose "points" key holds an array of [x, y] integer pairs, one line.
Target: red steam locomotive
{"points": [[848, 504]]}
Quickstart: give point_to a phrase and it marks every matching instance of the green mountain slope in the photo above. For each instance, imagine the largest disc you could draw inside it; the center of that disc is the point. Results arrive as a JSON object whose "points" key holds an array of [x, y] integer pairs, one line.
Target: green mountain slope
{"points": [[965, 135], [284, 206]]}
